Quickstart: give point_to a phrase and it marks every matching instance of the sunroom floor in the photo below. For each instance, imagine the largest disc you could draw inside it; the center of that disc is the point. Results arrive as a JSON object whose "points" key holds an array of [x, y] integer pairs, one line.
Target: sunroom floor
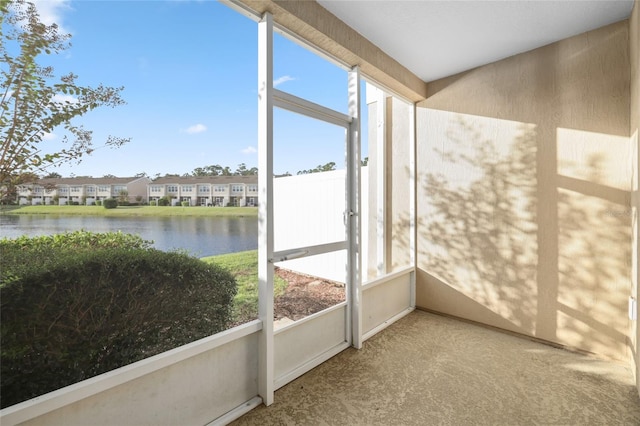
{"points": [[427, 369]]}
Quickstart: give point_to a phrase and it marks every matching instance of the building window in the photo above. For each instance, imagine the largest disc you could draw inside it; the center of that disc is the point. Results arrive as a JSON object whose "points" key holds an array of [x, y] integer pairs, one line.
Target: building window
{"points": [[103, 188], [172, 188], [91, 189], [220, 188], [187, 188], [252, 188], [64, 190], [156, 188], [236, 188], [203, 189]]}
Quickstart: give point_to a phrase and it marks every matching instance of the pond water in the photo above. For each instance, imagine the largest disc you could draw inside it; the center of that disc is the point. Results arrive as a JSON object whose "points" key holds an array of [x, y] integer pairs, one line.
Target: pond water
{"points": [[199, 236]]}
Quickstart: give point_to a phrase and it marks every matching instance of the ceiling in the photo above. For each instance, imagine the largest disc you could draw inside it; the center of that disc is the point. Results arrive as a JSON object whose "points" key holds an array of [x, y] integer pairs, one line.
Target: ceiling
{"points": [[435, 39]]}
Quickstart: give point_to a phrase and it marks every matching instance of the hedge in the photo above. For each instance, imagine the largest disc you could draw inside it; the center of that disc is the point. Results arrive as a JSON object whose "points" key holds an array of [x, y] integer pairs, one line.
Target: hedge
{"points": [[110, 203], [79, 312]]}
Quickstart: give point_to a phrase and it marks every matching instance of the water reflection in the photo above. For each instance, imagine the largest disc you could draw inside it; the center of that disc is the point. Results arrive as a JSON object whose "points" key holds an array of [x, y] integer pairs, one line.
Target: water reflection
{"points": [[197, 235]]}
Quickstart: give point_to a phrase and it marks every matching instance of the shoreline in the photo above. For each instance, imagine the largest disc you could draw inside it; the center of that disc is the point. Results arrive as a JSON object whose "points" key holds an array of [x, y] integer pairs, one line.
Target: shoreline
{"points": [[132, 211]]}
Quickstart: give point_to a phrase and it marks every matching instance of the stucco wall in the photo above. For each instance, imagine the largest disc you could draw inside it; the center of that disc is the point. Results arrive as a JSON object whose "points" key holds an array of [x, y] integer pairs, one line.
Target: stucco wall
{"points": [[634, 131], [524, 187]]}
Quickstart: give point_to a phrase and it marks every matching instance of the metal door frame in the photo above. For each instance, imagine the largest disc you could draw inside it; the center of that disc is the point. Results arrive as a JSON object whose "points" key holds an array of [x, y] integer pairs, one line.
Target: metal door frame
{"points": [[268, 98]]}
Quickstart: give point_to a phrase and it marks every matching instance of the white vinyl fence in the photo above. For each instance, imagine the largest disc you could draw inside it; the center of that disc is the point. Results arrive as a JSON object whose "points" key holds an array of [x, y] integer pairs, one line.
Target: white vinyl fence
{"points": [[308, 210]]}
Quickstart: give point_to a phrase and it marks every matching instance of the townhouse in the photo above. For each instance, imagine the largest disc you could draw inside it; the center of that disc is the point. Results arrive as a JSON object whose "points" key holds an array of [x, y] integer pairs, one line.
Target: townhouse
{"points": [[82, 190], [219, 191], [239, 191]]}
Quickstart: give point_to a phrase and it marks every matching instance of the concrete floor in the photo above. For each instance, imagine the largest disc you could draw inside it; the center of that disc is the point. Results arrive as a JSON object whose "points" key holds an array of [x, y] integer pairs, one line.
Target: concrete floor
{"points": [[432, 370]]}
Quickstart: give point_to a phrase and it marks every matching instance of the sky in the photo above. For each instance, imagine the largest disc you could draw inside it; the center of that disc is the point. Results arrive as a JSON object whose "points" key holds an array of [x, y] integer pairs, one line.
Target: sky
{"points": [[189, 72]]}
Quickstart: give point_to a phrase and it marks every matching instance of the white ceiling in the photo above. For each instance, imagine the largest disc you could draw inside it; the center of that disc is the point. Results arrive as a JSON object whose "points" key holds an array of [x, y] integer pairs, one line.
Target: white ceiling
{"points": [[436, 39]]}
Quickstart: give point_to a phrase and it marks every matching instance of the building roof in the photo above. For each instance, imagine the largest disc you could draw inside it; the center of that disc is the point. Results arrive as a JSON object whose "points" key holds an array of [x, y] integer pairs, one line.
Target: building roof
{"points": [[88, 181], [182, 180]]}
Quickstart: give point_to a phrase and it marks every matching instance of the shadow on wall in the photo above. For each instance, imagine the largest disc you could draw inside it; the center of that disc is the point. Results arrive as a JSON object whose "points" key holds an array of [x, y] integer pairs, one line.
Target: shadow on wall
{"points": [[524, 193], [479, 232], [479, 229]]}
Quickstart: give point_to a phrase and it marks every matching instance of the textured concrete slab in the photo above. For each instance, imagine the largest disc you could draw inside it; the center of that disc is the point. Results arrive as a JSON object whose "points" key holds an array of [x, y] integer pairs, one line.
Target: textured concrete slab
{"points": [[432, 370]]}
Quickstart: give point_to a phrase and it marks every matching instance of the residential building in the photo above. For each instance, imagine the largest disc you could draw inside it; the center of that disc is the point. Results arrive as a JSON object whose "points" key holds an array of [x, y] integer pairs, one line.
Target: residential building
{"points": [[81, 190], [217, 191]]}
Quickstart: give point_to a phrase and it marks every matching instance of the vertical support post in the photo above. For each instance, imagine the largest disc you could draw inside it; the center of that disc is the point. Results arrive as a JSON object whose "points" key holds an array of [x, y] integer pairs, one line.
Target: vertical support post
{"points": [[381, 183], [353, 204], [265, 208], [412, 200]]}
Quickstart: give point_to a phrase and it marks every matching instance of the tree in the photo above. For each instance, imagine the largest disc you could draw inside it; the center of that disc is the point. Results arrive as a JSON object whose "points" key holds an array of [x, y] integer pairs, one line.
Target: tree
{"points": [[320, 168], [123, 197], [9, 193], [213, 170], [243, 171], [33, 102], [52, 175], [218, 170]]}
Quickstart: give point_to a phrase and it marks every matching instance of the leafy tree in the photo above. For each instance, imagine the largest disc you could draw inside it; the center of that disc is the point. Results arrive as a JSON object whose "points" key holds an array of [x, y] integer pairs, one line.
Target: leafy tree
{"points": [[33, 102], [320, 168], [123, 197], [53, 175], [218, 170], [243, 171], [200, 171], [110, 176], [9, 193]]}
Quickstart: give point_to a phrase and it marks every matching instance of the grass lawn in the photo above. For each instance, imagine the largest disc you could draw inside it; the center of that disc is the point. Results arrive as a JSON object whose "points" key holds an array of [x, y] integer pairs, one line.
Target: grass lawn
{"points": [[155, 211], [244, 266]]}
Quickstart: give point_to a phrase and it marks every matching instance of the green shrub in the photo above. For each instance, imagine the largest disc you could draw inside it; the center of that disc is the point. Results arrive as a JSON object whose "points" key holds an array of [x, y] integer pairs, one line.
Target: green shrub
{"points": [[185, 203], [164, 201], [98, 202], [152, 203], [88, 303], [110, 203]]}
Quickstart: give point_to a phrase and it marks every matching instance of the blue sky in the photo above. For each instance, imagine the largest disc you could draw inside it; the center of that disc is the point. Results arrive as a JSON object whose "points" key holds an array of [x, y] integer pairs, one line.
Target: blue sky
{"points": [[189, 69]]}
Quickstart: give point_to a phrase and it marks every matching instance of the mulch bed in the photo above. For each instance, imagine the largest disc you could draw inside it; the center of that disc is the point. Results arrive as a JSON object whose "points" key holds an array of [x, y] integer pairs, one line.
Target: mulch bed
{"points": [[305, 295]]}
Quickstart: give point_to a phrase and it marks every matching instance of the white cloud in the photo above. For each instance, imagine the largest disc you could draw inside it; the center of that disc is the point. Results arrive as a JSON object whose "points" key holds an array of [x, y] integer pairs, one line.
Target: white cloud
{"points": [[278, 81], [51, 11], [62, 98], [249, 150], [196, 128], [48, 136]]}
